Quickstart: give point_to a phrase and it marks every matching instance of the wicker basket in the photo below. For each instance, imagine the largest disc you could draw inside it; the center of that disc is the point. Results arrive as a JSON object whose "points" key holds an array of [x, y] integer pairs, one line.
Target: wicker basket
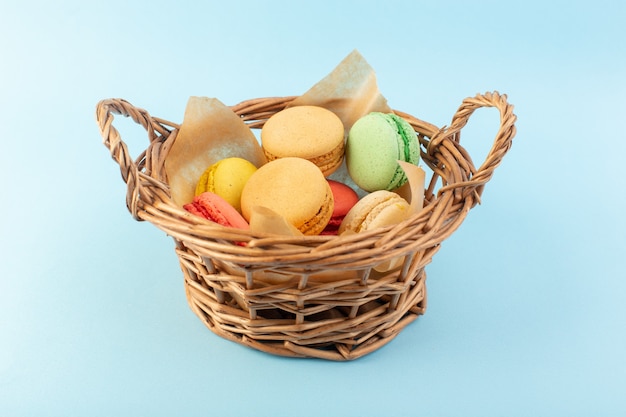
{"points": [[339, 319]]}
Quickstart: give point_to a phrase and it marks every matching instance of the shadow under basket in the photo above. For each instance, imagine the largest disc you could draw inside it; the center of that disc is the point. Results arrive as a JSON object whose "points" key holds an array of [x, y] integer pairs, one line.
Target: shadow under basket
{"points": [[312, 296]]}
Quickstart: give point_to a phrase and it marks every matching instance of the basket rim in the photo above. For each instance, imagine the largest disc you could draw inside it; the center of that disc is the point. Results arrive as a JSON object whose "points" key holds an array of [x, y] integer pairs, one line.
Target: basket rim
{"points": [[461, 188]]}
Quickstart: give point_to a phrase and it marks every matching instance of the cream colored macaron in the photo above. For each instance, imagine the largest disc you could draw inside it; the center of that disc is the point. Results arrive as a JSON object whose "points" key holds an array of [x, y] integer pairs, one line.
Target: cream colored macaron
{"points": [[295, 189], [378, 209], [309, 132]]}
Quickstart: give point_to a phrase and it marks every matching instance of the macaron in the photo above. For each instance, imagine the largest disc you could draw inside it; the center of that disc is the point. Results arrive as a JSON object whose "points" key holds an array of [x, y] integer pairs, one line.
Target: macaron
{"points": [[226, 178], [212, 207], [377, 209], [344, 198], [375, 144], [295, 189], [309, 132]]}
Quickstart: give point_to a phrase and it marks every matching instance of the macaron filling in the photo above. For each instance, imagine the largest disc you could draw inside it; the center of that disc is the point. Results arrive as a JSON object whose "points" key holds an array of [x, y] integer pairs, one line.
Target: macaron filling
{"points": [[327, 162], [213, 215], [378, 216], [330, 161], [317, 223], [407, 148], [212, 207]]}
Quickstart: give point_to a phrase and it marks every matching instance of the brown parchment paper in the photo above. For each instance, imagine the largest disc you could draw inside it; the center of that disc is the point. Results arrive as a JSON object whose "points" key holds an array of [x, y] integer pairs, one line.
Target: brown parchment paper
{"points": [[265, 220], [413, 192], [210, 131], [350, 91]]}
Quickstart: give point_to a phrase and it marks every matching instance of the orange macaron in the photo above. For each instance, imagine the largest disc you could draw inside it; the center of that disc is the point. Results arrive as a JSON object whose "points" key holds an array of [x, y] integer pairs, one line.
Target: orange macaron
{"points": [[309, 132], [295, 189]]}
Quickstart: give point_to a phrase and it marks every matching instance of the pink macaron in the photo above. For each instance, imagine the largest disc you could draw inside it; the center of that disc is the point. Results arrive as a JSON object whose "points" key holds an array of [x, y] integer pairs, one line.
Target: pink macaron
{"points": [[213, 207]]}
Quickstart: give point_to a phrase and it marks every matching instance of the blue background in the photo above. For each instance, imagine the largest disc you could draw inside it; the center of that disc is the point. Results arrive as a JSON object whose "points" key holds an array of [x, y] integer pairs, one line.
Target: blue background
{"points": [[527, 308]]}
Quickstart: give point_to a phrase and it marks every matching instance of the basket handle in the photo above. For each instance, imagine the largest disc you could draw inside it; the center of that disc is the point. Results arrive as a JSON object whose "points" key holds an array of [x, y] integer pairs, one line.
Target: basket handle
{"points": [[477, 178], [132, 170]]}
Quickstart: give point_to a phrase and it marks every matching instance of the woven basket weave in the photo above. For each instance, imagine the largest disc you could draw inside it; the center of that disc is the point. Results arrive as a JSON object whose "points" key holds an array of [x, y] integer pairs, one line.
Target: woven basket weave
{"points": [[339, 319]]}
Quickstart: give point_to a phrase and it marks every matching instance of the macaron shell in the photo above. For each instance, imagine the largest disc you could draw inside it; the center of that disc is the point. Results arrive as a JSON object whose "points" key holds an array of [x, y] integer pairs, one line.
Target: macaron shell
{"points": [[378, 209], [408, 146], [227, 178], [344, 199], [372, 152], [295, 188], [309, 132], [375, 143], [213, 207], [386, 214]]}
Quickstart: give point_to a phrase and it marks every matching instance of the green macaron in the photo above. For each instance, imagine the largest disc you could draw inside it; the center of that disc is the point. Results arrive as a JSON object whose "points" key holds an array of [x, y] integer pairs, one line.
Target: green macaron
{"points": [[375, 144]]}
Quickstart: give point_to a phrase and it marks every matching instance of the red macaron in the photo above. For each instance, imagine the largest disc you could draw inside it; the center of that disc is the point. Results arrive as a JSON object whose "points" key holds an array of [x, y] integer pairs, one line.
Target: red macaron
{"points": [[213, 207], [345, 198]]}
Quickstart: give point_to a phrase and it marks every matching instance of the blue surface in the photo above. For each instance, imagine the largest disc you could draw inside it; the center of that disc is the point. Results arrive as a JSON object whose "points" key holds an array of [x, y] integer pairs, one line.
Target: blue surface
{"points": [[526, 312]]}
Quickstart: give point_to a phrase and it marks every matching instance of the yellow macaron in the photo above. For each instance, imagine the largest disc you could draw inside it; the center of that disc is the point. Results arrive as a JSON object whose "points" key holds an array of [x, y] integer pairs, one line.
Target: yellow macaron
{"points": [[295, 189], [309, 132], [226, 178]]}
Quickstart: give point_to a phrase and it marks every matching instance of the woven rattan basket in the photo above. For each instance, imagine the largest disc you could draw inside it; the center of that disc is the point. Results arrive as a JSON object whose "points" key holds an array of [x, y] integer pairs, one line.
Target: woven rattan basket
{"points": [[303, 317]]}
